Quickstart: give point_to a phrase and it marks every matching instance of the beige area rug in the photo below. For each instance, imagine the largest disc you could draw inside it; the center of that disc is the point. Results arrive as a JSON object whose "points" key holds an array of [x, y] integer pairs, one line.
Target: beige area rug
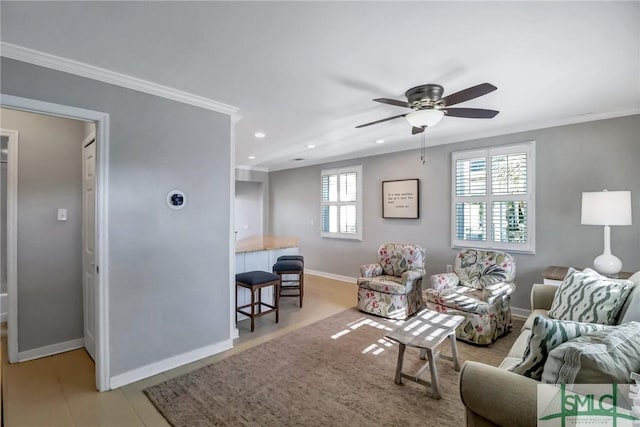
{"points": [[335, 372]]}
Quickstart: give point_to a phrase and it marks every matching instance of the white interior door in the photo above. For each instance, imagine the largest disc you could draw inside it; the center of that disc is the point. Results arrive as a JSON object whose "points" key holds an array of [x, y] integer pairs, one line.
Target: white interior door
{"points": [[88, 243]]}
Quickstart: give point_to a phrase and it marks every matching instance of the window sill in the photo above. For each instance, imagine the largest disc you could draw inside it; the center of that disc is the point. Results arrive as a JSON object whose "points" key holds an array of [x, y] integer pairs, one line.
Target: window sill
{"points": [[471, 245], [341, 236]]}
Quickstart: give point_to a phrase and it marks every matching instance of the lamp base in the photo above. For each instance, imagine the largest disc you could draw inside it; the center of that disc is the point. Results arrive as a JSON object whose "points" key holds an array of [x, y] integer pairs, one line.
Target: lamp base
{"points": [[607, 264]]}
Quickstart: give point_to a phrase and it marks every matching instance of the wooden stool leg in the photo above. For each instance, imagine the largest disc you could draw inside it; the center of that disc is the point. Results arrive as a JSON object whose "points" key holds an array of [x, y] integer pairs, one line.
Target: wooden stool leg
{"points": [[301, 283], [454, 351], [435, 382], [276, 298], [253, 309], [401, 348], [280, 288]]}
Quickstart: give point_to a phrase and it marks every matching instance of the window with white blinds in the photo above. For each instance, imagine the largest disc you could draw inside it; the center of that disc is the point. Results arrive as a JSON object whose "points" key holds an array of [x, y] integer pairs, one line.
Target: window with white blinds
{"points": [[493, 198], [341, 204]]}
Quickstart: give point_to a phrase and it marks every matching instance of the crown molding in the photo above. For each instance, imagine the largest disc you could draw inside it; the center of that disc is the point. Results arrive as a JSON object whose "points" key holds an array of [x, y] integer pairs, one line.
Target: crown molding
{"points": [[35, 57], [533, 126], [252, 168], [470, 136]]}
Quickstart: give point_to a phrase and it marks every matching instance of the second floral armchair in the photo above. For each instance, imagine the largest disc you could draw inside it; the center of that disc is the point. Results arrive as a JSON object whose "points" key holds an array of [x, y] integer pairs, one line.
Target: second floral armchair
{"points": [[480, 289]]}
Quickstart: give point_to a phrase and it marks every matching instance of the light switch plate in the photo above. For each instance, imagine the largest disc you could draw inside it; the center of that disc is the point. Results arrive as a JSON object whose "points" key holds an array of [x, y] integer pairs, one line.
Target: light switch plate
{"points": [[62, 214]]}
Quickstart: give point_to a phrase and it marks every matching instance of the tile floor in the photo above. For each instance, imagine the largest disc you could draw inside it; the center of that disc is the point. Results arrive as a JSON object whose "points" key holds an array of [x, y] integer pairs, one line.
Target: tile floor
{"points": [[60, 390]]}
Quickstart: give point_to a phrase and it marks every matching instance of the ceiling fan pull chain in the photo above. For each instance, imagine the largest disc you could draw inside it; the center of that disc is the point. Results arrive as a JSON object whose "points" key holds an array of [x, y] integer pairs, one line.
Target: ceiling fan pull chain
{"points": [[423, 148]]}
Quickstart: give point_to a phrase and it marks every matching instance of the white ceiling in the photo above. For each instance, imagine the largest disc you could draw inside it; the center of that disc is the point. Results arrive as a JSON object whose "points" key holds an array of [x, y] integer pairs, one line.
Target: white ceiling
{"points": [[306, 72]]}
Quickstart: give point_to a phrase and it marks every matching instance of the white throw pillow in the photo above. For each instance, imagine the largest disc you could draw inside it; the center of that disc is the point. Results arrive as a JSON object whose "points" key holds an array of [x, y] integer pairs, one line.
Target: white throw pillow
{"points": [[547, 334], [631, 308], [606, 356]]}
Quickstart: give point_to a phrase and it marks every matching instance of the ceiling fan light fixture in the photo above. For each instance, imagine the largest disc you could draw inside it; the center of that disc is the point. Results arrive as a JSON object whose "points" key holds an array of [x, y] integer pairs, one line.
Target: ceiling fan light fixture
{"points": [[428, 117]]}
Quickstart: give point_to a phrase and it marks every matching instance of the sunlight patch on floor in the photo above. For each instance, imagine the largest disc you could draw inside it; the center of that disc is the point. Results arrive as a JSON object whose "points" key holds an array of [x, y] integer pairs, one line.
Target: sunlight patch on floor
{"points": [[378, 347], [339, 334]]}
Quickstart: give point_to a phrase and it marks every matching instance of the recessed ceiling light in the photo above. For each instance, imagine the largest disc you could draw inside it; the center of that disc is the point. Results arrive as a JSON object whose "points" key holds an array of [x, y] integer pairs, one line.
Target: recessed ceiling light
{"points": [[259, 134], [251, 157], [311, 146], [379, 141]]}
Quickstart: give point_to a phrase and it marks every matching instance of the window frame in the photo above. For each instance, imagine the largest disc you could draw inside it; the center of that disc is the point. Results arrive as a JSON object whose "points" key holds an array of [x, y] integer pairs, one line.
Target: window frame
{"points": [[357, 169], [488, 198]]}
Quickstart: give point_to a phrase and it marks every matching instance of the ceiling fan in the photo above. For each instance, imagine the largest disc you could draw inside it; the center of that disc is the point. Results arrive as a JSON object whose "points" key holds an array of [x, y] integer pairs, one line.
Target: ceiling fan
{"points": [[429, 107]]}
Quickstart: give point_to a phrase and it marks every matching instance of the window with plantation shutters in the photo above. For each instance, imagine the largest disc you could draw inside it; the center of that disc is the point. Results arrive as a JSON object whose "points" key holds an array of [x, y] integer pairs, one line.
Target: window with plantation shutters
{"points": [[493, 198], [341, 204]]}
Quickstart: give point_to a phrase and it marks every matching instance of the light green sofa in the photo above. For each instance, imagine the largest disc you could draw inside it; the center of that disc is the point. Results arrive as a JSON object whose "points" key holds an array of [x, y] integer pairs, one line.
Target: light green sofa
{"points": [[497, 397]]}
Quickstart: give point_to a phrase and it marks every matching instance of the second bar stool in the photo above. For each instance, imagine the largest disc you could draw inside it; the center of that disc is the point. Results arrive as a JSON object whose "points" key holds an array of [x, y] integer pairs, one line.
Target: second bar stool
{"points": [[290, 265]]}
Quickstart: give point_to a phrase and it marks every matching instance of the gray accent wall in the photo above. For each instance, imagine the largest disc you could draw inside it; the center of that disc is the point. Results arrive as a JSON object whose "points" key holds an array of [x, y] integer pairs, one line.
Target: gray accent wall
{"points": [[248, 209], [49, 251], [569, 160], [169, 289], [249, 177]]}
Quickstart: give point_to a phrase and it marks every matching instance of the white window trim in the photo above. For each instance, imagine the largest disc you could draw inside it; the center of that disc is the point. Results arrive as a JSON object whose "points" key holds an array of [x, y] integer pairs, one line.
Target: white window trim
{"points": [[530, 148], [337, 235]]}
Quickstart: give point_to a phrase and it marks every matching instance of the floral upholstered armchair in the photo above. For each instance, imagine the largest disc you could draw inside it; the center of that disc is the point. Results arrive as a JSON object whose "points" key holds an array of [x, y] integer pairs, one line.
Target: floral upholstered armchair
{"points": [[392, 287], [480, 289]]}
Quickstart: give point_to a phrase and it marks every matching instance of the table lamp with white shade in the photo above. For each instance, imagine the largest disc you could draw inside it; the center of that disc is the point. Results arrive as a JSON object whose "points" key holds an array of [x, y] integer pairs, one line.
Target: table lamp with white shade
{"points": [[607, 208]]}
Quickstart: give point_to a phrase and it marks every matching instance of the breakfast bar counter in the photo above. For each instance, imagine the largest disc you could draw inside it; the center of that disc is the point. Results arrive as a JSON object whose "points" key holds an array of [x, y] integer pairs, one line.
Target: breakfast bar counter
{"points": [[264, 243]]}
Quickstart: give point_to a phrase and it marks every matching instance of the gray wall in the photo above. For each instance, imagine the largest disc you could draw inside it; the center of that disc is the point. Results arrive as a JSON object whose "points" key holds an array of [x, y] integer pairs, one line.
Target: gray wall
{"points": [[248, 209], [49, 251], [569, 159], [169, 269], [261, 177]]}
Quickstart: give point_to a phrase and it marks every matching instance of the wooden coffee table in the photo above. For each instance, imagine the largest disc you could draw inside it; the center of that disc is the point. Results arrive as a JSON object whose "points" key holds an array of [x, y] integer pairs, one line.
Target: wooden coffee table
{"points": [[426, 331]]}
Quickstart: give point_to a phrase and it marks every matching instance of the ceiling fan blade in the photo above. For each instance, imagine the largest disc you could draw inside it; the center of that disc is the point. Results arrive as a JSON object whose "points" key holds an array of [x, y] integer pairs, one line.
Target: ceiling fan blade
{"points": [[468, 94], [392, 102], [471, 113], [416, 130], [380, 121]]}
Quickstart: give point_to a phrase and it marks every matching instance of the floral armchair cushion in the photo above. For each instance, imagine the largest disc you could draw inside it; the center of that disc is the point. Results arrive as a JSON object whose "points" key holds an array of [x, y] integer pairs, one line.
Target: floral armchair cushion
{"points": [[396, 258], [477, 268]]}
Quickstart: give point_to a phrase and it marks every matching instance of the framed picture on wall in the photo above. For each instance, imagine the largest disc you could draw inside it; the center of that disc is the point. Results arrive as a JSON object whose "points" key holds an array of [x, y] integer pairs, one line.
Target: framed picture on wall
{"points": [[401, 199]]}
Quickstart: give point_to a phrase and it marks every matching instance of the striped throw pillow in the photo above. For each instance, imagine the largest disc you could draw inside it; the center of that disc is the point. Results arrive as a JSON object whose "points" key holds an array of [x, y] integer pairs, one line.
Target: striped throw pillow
{"points": [[589, 297], [547, 334]]}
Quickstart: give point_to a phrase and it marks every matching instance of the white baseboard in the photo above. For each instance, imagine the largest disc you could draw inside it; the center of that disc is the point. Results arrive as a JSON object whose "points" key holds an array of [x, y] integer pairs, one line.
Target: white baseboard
{"points": [[170, 363], [50, 350], [326, 275], [4, 306], [520, 312]]}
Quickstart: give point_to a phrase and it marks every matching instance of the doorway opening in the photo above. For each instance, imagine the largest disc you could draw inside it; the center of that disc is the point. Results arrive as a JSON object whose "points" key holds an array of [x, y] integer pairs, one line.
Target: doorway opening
{"points": [[56, 232]]}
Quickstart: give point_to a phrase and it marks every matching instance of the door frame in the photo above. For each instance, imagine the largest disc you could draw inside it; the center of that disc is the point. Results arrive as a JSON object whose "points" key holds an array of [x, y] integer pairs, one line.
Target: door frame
{"points": [[102, 235], [12, 256]]}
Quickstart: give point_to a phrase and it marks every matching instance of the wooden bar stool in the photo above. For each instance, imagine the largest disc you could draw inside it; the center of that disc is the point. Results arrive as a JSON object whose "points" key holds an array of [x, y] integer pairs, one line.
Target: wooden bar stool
{"points": [[255, 281], [291, 265]]}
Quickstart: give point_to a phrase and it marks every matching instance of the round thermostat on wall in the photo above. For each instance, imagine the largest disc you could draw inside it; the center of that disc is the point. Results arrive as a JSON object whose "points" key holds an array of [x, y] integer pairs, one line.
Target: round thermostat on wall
{"points": [[176, 199]]}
